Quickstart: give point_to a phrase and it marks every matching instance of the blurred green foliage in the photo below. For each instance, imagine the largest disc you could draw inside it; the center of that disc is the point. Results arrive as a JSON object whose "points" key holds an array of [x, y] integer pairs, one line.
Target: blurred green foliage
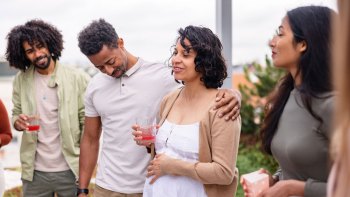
{"points": [[263, 80]]}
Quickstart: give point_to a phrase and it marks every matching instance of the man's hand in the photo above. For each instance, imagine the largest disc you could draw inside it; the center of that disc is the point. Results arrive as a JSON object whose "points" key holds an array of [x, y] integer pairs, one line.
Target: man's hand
{"points": [[89, 148], [228, 102], [21, 123]]}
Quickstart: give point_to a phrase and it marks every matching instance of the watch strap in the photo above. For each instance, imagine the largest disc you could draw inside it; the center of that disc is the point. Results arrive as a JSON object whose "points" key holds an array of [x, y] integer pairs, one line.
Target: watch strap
{"points": [[82, 191]]}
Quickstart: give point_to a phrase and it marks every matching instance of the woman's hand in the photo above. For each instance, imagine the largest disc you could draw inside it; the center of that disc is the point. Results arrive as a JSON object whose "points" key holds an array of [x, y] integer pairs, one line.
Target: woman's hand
{"points": [[138, 136], [272, 181], [228, 102], [284, 189], [155, 167], [245, 187]]}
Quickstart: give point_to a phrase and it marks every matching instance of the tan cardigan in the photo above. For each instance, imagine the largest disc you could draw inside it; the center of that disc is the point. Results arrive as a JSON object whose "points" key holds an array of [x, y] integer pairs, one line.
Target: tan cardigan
{"points": [[218, 149]]}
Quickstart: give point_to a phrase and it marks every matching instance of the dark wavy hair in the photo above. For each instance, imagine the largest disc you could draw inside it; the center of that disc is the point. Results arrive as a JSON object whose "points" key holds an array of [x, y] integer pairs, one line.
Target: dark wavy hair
{"points": [[32, 31], [209, 60], [98, 33], [311, 24]]}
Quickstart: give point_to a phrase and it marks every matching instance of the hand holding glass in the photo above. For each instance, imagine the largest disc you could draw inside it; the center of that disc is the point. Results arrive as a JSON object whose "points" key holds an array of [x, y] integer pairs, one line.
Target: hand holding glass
{"points": [[33, 121], [147, 126], [255, 183]]}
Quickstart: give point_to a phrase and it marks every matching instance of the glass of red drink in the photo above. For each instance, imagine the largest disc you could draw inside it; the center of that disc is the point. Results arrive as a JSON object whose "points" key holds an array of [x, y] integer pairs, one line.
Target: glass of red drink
{"points": [[148, 127], [34, 125]]}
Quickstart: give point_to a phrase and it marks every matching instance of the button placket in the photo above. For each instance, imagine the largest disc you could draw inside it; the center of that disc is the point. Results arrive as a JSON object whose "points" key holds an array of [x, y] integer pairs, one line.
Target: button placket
{"points": [[122, 84]]}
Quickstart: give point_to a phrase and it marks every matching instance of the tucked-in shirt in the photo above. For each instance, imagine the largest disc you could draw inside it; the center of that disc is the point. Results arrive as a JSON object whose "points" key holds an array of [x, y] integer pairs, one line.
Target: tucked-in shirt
{"points": [[119, 101], [301, 143], [49, 156]]}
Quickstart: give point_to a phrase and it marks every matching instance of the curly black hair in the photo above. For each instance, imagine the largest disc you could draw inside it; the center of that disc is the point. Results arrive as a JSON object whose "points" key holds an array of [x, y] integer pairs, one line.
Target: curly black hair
{"points": [[98, 33], [209, 60], [32, 31]]}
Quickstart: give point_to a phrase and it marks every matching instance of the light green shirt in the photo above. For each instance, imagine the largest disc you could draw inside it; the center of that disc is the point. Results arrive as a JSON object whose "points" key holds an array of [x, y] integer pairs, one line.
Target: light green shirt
{"points": [[71, 85]]}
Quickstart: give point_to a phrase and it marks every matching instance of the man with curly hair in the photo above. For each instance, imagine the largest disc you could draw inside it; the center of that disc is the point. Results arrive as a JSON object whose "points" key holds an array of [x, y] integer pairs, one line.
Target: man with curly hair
{"points": [[43, 87], [127, 87]]}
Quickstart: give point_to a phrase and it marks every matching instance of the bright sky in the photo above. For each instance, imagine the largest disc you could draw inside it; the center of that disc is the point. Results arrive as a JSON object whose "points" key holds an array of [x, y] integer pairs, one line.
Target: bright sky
{"points": [[149, 27]]}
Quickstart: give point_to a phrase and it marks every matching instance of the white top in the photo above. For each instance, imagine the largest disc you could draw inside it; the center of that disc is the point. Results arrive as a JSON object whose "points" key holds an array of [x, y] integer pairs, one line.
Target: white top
{"points": [[49, 156], [118, 101], [180, 142]]}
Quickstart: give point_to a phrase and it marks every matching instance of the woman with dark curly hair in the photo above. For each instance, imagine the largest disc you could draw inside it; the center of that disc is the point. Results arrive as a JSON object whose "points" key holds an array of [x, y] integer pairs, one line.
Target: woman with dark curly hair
{"points": [[196, 150]]}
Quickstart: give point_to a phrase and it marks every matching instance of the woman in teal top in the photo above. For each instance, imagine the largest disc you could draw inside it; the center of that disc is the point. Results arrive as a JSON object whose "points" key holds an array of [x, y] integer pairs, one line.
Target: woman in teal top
{"points": [[296, 130]]}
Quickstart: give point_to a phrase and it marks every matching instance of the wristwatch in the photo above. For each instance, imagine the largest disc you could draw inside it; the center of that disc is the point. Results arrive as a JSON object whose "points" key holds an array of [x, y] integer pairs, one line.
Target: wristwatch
{"points": [[82, 191]]}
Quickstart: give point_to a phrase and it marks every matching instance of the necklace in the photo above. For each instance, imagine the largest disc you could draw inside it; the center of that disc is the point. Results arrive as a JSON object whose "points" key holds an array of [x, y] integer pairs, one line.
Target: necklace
{"points": [[171, 131]]}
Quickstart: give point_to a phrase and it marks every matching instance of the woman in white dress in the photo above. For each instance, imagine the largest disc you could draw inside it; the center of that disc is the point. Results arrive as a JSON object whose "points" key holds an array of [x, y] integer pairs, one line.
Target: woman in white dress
{"points": [[196, 151]]}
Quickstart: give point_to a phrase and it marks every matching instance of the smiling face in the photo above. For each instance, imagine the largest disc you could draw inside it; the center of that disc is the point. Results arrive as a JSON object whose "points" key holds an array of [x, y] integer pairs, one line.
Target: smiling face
{"points": [[286, 52], [183, 63], [37, 54], [110, 61]]}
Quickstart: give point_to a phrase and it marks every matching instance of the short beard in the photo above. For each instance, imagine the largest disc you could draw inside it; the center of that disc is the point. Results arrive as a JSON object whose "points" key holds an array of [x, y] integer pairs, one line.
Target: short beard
{"points": [[45, 66], [120, 68]]}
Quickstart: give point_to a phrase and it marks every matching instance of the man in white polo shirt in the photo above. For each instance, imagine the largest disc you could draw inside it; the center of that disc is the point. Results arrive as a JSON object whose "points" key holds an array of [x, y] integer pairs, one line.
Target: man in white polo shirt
{"points": [[127, 87]]}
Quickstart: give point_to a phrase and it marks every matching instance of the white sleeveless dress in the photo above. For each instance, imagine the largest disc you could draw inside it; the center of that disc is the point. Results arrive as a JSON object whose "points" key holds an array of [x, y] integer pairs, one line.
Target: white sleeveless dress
{"points": [[180, 142]]}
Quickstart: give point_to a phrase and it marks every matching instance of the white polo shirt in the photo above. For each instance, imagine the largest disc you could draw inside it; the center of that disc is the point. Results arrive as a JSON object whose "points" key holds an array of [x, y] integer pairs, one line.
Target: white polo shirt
{"points": [[122, 164]]}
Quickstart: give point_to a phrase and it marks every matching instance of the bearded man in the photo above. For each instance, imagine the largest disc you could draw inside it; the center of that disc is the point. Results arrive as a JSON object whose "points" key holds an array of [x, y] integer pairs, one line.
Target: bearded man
{"points": [[50, 156]]}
